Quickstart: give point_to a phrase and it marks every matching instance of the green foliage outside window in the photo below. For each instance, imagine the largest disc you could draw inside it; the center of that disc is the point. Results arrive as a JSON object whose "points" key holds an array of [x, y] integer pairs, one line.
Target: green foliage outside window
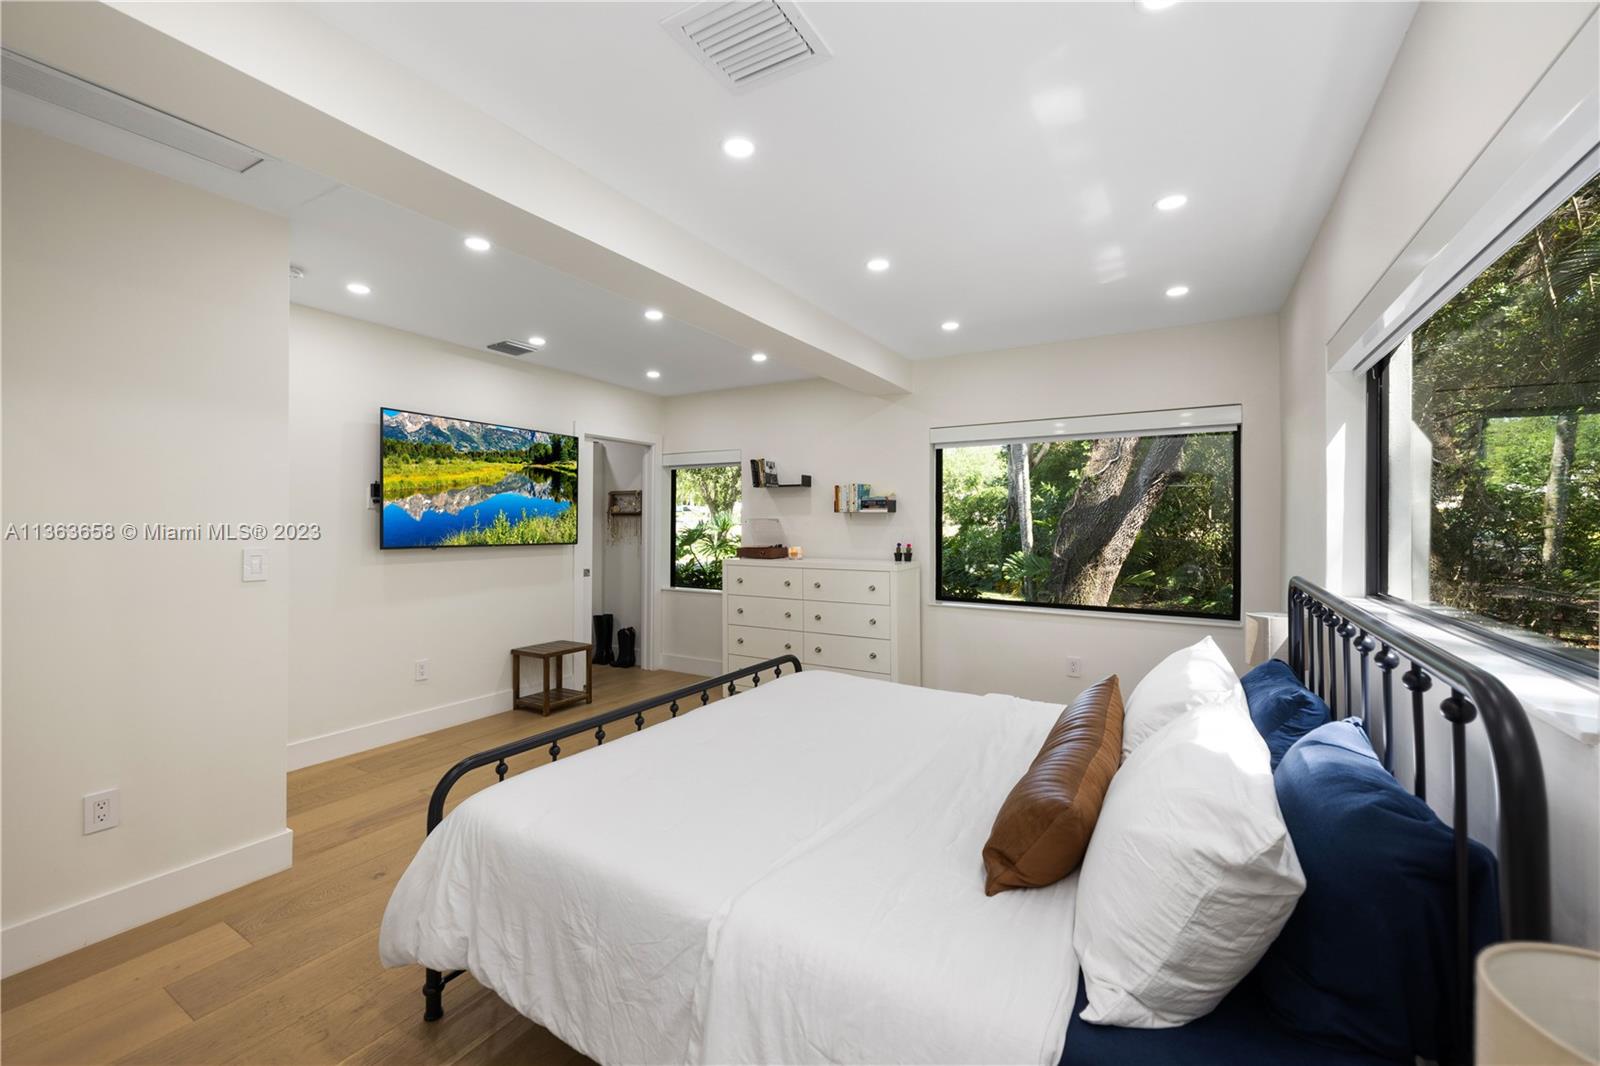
{"points": [[705, 524], [1130, 523], [1506, 389]]}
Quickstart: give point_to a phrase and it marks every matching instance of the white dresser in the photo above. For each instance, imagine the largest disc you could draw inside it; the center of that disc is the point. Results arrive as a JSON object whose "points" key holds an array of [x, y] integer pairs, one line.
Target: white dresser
{"points": [[856, 616]]}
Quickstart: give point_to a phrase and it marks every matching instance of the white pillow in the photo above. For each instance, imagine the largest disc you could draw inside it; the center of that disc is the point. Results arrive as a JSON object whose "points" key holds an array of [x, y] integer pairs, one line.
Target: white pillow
{"points": [[1190, 874], [1191, 677]]}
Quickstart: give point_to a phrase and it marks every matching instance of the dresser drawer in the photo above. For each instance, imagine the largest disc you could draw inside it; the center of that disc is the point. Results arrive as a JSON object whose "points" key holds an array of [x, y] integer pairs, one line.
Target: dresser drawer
{"points": [[846, 619], [846, 586], [763, 643], [847, 653], [760, 581], [764, 611]]}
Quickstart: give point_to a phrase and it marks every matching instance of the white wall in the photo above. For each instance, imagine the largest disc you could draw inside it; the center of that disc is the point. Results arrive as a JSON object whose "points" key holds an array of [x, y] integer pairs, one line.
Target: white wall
{"points": [[1462, 71], [146, 381], [835, 435], [361, 617]]}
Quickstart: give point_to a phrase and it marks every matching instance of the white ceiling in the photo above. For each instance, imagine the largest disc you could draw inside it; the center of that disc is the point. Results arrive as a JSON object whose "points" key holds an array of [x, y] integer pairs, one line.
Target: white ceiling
{"points": [[425, 281], [1004, 156]]}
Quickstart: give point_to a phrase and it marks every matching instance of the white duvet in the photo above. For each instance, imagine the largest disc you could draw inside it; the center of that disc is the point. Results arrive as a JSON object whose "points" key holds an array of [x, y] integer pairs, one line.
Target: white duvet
{"points": [[792, 875]]}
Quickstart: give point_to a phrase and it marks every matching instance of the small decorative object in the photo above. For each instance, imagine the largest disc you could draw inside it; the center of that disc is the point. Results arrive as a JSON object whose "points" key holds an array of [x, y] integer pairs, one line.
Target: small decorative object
{"points": [[908, 552], [1538, 1003], [796, 552], [628, 502], [899, 552]]}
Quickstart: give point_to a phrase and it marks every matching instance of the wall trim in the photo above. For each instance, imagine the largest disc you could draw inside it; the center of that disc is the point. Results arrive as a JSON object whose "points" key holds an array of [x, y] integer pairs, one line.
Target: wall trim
{"points": [[691, 664], [365, 737], [55, 933]]}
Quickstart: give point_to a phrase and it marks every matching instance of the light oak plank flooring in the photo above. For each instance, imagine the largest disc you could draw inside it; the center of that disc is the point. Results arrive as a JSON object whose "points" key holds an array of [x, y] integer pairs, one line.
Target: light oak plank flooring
{"points": [[286, 970]]}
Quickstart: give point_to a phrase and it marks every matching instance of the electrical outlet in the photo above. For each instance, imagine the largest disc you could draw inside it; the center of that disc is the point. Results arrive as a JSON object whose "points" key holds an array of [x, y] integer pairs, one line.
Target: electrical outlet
{"points": [[1074, 666], [102, 810], [420, 672]]}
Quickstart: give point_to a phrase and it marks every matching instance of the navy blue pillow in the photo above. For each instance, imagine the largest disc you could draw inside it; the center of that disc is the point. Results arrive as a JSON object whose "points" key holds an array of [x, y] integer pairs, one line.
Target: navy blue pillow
{"points": [[1367, 959], [1282, 708]]}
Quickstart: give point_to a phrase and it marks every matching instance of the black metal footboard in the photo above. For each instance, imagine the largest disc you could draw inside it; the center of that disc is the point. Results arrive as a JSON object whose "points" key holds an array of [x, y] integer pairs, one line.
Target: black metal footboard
{"points": [[550, 740]]}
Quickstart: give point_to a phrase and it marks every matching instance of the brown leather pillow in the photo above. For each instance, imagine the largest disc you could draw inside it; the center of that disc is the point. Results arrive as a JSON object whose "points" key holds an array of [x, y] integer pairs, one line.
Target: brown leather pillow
{"points": [[1043, 827]]}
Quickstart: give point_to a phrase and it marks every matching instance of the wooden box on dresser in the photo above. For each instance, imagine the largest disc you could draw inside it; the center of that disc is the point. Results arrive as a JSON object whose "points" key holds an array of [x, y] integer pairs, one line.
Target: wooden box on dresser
{"points": [[856, 616]]}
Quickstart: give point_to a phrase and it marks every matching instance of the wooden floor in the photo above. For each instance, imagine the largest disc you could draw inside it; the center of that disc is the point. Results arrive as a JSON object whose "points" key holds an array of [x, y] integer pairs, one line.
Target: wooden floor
{"points": [[286, 970]]}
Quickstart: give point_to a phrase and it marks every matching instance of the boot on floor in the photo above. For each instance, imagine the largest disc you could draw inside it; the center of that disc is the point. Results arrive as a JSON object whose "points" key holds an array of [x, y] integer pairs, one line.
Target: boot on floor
{"points": [[602, 640], [625, 643]]}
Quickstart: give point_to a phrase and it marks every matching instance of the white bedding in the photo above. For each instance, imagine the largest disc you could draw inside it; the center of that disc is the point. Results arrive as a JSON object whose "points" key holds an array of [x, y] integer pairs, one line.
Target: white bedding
{"points": [[793, 875]]}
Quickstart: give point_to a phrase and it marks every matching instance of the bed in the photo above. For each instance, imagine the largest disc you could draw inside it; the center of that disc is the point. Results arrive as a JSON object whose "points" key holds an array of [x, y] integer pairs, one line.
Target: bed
{"points": [[809, 888]]}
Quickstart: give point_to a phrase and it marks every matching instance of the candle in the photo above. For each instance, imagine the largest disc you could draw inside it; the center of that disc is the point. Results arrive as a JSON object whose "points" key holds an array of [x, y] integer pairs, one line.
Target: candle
{"points": [[796, 552]]}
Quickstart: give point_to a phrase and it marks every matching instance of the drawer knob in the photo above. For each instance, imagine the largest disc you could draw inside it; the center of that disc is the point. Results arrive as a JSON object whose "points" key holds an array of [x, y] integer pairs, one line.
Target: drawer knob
{"points": [[872, 655], [818, 617], [816, 584], [787, 647], [818, 649], [739, 610], [738, 580], [872, 588], [786, 614], [785, 582], [872, 621], [741, 640]]}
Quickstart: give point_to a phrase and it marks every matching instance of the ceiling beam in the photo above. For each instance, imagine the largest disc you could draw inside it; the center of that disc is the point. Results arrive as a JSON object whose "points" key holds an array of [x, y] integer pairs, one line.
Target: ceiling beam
{"points": [[276, 78]]}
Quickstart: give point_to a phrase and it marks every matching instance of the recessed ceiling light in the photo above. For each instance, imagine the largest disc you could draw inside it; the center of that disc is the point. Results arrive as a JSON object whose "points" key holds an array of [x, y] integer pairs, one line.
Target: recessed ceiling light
{"points": [[1157, 5], [357, 288], [653, 314], [758, 357], [950, 326], [739, 147], [478, 244], [1171, 203], [652, 374], [878, 264], [536, 340], [1177, 291]]}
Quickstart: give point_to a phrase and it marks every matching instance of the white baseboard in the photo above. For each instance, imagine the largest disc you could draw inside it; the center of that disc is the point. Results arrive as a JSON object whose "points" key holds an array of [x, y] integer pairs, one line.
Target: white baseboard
{"points": [[335, 745], [690, 664], [34, 940]]}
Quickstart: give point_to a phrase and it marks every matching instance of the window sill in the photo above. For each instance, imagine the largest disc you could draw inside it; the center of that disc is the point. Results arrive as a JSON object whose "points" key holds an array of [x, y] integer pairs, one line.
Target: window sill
{"points": [[681, 588], [1098, 616], [1565, 703]]}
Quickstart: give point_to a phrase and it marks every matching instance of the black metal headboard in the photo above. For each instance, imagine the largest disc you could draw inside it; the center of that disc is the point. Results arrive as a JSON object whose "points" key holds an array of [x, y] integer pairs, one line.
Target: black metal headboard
{"points": [[1320, 624]]}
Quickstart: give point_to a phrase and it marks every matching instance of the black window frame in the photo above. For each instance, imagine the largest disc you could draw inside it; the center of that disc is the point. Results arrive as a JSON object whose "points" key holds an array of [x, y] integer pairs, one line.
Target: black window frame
{"points": [[1502, 639], [940, 596]]}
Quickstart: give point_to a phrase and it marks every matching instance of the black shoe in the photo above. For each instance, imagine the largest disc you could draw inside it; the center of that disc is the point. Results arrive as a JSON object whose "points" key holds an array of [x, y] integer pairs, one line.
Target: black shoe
{"points": [[625, 640], [602, 640]]}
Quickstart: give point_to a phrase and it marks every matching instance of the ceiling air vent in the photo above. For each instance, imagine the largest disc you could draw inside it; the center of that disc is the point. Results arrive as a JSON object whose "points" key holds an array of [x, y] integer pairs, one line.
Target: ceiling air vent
{"points": [[511, 347], [23, 75], [747, 42]]}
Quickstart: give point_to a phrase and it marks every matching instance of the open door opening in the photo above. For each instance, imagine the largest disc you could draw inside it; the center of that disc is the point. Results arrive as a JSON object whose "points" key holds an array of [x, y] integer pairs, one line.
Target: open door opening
{"points": [[618, 547]]}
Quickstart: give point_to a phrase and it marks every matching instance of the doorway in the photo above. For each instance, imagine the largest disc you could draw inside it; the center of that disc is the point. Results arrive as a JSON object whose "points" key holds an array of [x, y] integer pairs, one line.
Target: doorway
{"points": [[615, 548]]}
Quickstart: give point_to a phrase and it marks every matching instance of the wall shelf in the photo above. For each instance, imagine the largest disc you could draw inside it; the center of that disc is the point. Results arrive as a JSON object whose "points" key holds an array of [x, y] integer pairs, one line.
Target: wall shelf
{"points": [[872, 510], [803, 483]]}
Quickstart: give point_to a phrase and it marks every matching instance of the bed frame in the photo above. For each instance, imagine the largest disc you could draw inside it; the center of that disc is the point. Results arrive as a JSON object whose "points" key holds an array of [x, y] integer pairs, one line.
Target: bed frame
{"points": [[1324, 630], [550, 740], [1333, 647]]}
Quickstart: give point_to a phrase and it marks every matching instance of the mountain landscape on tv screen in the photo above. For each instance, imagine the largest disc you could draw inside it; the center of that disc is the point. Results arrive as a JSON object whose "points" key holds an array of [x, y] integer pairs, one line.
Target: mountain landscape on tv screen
{"points": [[453, 482]]}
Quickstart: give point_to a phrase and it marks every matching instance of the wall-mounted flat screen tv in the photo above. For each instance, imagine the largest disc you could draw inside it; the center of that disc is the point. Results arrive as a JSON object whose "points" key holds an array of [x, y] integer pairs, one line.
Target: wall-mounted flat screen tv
{"points": [[456, 483]]}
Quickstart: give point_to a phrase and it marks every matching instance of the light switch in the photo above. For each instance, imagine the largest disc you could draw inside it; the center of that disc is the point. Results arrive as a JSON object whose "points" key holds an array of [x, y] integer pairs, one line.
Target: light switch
{"points": [[254, 565]]}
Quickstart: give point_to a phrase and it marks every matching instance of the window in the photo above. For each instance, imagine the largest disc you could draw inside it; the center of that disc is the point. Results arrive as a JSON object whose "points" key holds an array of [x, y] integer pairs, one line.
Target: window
{"points": [[1141, 522], [1487, 418], [705, 523]]}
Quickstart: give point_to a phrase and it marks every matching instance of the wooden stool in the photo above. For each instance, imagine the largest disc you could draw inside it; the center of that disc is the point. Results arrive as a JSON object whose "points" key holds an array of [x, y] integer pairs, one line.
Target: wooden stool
{"points": [[552, 699]]}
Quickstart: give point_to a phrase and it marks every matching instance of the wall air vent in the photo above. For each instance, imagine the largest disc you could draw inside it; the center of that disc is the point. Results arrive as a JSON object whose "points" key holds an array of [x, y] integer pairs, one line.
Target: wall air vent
{"points": [[747, 42], [511, 348], [22, 75]]}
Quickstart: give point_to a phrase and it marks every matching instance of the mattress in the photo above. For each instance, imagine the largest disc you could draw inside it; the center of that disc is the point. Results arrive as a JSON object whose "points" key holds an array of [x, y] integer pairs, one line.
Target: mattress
{"points": [[790, 875]]}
